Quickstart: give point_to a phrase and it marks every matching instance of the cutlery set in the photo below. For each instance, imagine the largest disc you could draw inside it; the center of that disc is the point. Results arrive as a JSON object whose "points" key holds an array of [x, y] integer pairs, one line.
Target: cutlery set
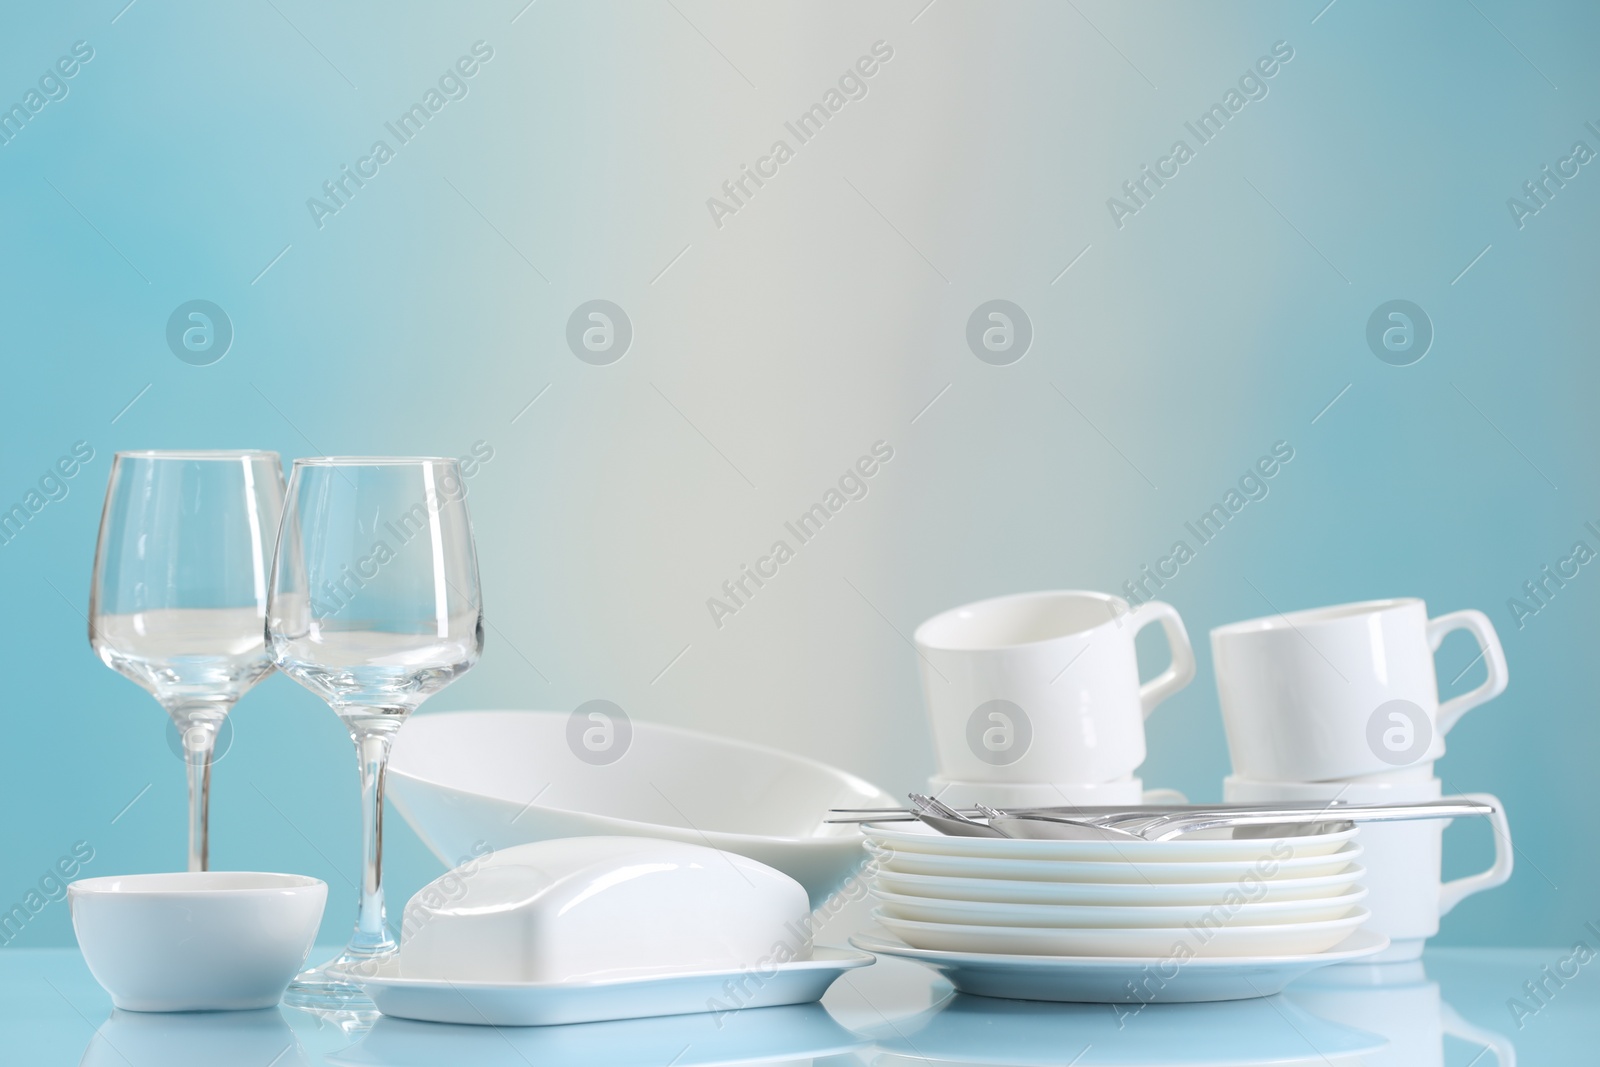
{"points": [[1155, 823], [652, 879]]}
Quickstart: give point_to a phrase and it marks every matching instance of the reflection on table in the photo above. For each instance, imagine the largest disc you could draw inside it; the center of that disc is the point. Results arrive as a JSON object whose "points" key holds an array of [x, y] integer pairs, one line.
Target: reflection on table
{"points": [[194, 1039], [765, 1035], [1018, 1033], [1399, 1001], [892, 1015]]}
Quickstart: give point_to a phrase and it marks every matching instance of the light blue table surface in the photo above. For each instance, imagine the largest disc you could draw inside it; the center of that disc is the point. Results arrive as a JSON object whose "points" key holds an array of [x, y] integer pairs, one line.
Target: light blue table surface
{"points": [[1453, 1008]]}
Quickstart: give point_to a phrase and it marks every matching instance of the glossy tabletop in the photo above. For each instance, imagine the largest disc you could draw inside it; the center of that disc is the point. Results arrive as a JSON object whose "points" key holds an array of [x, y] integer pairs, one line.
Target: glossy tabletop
{"points": [[1456, 1007]]}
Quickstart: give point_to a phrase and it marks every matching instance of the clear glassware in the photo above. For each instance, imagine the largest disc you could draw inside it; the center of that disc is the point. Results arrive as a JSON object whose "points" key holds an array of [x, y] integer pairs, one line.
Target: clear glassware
{"points": [[179, 595], [374, 606]]}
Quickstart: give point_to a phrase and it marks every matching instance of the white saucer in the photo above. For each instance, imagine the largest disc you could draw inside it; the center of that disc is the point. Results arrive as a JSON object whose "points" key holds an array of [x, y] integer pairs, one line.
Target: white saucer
{"points": [[1150, 943], [1121, 980], [900, 861], [1000, 891], [1200, 847], [1068, 916], [556, 1003]]}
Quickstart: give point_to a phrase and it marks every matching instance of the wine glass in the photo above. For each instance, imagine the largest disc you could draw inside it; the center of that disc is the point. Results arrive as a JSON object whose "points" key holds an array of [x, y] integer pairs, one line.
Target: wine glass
{"points": [[374, 606], [179, 593]]}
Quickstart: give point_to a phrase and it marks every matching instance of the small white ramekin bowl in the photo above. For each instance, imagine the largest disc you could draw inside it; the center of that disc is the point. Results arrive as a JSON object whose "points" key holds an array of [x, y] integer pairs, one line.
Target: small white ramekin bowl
{"points": [[196, 940]]}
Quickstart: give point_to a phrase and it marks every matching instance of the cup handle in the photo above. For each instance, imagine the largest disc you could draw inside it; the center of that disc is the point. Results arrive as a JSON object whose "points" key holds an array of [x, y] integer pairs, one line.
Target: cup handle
{"points": [[1454, 892], [1478, 624], [1181, 672], [1505, 1053]]}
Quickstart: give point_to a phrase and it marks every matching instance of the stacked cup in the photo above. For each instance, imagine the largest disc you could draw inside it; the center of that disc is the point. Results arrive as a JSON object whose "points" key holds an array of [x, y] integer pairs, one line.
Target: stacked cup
{"points": [[1341, 704], [1035, 698]]}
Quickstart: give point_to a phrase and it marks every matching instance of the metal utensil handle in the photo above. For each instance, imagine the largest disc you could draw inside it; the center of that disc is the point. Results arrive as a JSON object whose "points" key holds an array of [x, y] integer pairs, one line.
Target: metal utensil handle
{"points": [[1167, 827], [1134, 811]]}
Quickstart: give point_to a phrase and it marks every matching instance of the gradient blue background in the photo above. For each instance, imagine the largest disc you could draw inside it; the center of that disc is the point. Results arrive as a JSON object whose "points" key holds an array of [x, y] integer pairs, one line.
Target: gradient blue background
{"points": [[824, 316]]}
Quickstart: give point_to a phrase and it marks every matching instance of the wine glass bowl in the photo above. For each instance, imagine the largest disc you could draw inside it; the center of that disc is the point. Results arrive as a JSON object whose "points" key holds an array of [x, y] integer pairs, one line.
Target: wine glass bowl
{"points": [[221, 655], [366, 672], [179, 594], [374, 606]]}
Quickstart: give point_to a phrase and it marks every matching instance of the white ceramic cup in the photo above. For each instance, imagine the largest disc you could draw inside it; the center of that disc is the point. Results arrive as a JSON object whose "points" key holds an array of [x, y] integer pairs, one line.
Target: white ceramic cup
{"points": [[1128, 790], [1044, 687], [1344, 691], [1403, 859]]}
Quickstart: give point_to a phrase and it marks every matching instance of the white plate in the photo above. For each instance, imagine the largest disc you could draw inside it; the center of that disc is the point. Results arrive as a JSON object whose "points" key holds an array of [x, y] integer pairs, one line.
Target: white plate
{"points": [[1001, 891], [469, 779], [1283, 939], [555, 1003], [918, 837], [1241, 912], [1121, 980], [1153, 873]]}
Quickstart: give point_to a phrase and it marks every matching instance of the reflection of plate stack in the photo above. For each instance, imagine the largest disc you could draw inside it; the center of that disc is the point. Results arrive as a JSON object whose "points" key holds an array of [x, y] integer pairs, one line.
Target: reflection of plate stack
{"points": [[969, 1030], [1203, 918]]}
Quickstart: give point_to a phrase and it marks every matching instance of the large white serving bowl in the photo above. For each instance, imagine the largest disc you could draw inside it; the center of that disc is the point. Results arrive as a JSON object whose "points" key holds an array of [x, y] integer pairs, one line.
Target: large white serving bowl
{"points": [[470, 780], [1224, 871], [1004, 891], [1237, 910], [1152, 942], [918, 837], [196, 940]]}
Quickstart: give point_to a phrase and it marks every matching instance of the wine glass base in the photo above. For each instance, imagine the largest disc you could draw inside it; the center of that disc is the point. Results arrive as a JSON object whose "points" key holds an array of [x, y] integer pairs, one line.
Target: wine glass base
{"points": [[351, 1023], [328, 991]]}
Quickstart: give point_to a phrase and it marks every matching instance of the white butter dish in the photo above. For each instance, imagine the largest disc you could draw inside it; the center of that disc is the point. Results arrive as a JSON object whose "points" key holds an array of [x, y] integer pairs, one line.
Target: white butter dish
{"points": [[603, 908]]}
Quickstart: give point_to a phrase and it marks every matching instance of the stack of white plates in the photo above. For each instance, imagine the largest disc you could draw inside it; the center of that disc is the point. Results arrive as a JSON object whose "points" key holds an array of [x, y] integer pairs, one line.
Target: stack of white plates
{"points": [[1208, 898]]}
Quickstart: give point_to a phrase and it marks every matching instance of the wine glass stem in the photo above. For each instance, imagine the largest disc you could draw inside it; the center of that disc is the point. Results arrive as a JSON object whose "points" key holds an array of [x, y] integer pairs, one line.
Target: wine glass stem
{"points": [[373, 741], [199, 741]]}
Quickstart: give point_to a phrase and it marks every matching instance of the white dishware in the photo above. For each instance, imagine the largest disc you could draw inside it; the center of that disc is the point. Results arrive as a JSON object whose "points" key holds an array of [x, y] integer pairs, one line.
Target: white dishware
{"points": [[1202, 847], [973, 1031], [1044, 687], [593, 908], [196, 940], [1399, 1002], [1229, 872], [554, 1003], [1086, 916], [474, 779], [1002, 891], [1403, 860], [794, 1034], [1126, 790], [1122, 980], [1199, 939], [1343, 691]]}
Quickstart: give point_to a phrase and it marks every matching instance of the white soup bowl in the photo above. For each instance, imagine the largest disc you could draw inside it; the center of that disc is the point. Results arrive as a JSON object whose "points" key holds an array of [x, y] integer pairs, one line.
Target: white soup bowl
{"points": [[196, 940]]}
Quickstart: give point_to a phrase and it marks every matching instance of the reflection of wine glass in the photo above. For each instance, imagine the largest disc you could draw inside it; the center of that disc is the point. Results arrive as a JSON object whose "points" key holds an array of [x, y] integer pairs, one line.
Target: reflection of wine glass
{"points": [[180, 591], [374, 606]]}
